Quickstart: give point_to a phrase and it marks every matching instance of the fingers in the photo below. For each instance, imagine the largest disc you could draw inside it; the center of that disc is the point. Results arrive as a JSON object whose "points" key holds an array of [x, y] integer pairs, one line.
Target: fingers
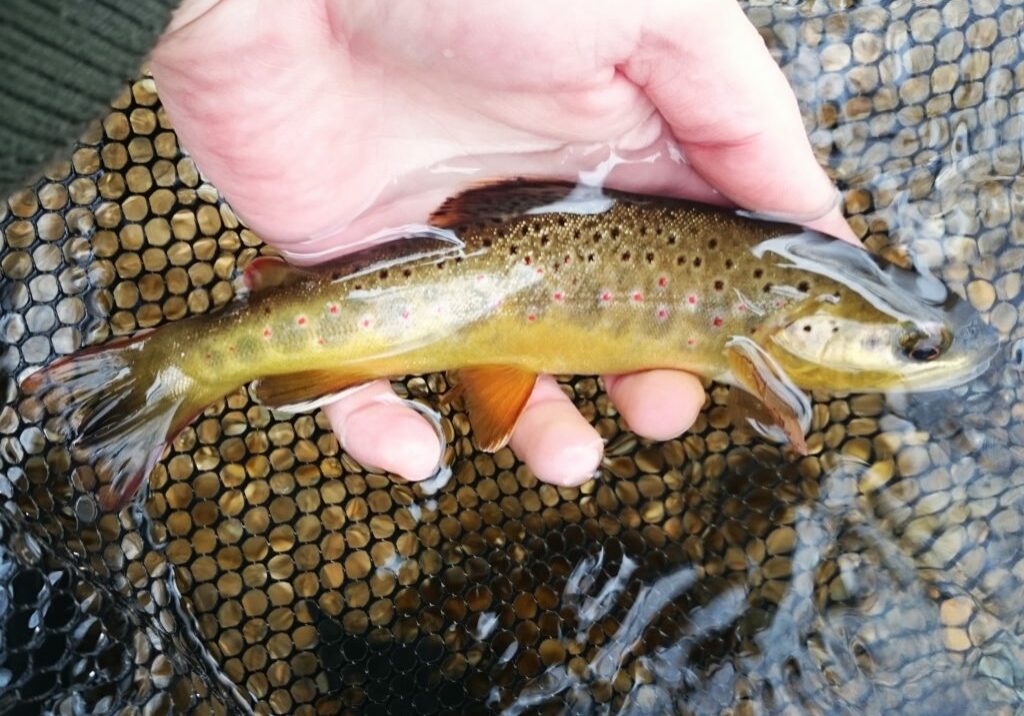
{"points": [[657, 404], [708, 72], [381, 432], [554, 439]]}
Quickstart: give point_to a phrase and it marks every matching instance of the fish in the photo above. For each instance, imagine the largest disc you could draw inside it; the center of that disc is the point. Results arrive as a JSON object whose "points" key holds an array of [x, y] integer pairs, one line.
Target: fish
{"points": [[516, 278]]}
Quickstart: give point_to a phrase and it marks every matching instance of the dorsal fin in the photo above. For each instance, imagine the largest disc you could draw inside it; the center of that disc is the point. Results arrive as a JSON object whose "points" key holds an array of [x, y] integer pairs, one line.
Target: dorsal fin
{"points": [[498, 201]]}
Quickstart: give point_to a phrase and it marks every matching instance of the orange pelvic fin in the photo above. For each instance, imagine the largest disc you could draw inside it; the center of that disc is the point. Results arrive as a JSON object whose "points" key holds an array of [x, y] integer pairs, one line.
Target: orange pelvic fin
{"points": [[495, 397]]}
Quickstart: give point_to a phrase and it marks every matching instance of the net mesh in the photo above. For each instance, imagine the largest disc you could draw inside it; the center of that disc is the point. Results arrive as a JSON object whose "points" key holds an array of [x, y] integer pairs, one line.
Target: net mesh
{"points": [[268, 572]]}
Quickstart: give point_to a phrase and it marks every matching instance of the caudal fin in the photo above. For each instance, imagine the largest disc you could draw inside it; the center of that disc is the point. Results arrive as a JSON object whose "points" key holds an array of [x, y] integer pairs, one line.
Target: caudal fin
{"points": [[120, 412]]}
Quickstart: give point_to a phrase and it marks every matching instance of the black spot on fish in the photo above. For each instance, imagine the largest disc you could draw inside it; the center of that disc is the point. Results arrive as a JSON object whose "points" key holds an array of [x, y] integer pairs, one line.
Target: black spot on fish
{"points": [[406, 273], [681, 260], [728, 263], [650, 257], [758, 273], [590, 258], [384, 274], [625, 255], [697, 261], [487, 243], [671, 239], [561, 221], [803, 286], [513, 249], [807, 328], [544, 240], [597, 236], [615, 232], [713, 244], [767, 287], [719, 285]]}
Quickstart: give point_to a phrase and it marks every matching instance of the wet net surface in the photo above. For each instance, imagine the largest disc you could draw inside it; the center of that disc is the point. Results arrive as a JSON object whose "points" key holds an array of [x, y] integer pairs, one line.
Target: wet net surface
{"points": [[269, 572]]}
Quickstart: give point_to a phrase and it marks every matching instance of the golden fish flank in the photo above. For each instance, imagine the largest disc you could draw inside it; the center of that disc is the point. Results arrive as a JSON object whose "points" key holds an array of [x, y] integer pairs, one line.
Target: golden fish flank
{"points": [[512, 280]]}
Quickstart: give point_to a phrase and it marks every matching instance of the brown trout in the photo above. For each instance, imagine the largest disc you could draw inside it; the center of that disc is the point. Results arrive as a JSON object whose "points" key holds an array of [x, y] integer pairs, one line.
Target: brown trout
{"points": [[515, 279]]}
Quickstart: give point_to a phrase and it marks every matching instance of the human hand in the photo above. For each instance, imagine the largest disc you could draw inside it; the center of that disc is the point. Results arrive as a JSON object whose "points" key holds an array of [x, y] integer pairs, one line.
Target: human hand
{"points": [[325, 121]]}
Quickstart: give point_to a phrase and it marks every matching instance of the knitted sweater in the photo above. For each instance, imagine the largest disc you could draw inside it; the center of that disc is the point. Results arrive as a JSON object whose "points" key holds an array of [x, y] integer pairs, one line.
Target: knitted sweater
{"points": [[61, 62]]}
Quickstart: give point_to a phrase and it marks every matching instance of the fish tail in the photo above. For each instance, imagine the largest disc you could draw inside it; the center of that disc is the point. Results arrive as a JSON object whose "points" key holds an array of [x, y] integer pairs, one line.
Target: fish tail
{"points": [[121, 406]]}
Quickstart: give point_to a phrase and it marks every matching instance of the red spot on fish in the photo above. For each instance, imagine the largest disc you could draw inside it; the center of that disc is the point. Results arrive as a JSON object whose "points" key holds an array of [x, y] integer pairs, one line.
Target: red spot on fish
{"points": [[231, 349], [527, 261], [366, 323], [333, 308], [662, 312], [267, 333], [531, 317], [692, 300], [540, 271], [301, 320], [322, 341], [606, 297], [558, 295], [741, 308], [717, 322], [662, 281], [691, 341], [480, 278], [405, 315], [568, 259], [638, 297]]}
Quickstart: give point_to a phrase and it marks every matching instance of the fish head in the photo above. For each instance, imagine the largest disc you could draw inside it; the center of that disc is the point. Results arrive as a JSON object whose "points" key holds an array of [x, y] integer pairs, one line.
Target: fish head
{"points": [[848, 344], [874, 326]]}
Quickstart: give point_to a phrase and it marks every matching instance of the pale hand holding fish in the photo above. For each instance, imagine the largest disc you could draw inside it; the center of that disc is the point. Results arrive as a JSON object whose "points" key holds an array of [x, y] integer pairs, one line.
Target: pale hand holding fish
{"points": [[500, 288], [324, 122]]}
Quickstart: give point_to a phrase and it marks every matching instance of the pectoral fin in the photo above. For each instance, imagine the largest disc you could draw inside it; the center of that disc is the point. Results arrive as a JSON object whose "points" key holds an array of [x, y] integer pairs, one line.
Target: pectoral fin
{"points": [[495, 397], [306, 390], [756, 372]]}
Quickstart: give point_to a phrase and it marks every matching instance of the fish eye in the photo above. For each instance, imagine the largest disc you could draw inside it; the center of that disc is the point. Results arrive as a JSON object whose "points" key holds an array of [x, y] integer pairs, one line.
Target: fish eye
{"points": [[924, 343]]}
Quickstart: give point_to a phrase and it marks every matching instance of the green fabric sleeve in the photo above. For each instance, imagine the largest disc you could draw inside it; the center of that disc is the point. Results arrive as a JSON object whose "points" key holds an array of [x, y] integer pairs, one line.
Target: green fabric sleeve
{"points": [[61, 62]]}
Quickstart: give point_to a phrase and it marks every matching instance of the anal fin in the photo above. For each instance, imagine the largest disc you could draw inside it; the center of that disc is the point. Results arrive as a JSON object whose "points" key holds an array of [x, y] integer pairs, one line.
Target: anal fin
{"points": [[495, 397], [305, 390]]}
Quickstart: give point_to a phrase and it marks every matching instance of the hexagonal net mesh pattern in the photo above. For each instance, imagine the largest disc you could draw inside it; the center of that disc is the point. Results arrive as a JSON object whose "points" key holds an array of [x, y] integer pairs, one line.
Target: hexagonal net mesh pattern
{"points": [[269, 572]]}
